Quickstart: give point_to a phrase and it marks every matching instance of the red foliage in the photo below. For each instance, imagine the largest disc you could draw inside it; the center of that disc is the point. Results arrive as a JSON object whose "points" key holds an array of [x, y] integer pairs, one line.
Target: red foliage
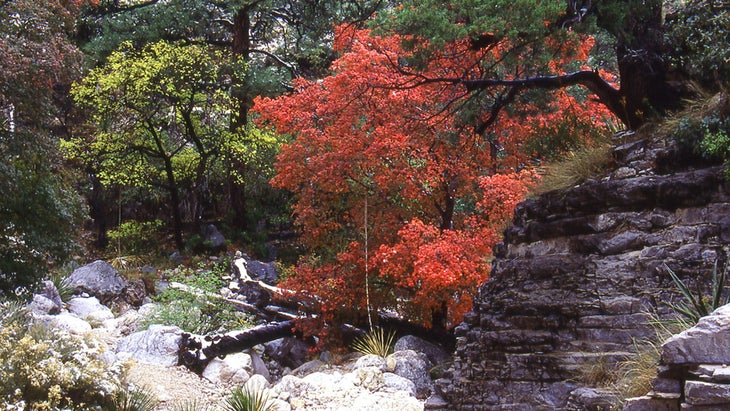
{"points": [[437, 194]]}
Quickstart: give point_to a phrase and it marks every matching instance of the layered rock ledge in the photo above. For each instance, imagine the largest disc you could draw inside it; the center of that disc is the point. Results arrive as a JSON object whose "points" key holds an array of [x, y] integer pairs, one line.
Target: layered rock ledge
{"points": [[576, 275]]}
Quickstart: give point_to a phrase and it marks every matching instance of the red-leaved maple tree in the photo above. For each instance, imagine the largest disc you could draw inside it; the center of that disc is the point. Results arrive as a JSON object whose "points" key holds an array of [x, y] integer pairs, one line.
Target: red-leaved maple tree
{"points": [[398, 197]]}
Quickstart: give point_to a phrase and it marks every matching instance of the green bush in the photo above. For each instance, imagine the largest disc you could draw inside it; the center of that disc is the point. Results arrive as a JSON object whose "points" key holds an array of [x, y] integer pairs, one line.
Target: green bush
{"points": [[698, 39], [135, 237], [201, 311]]}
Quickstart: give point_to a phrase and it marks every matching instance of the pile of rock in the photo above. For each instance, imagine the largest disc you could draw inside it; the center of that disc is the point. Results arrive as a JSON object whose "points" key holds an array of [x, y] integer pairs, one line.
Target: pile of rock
{"points": [[399, 382], [694, 372]]}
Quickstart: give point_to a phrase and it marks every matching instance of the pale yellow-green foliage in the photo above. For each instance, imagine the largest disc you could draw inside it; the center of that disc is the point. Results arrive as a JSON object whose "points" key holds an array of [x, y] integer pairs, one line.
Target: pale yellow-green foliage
{"points": [[377, 342], [42, 369], [577, 166]]}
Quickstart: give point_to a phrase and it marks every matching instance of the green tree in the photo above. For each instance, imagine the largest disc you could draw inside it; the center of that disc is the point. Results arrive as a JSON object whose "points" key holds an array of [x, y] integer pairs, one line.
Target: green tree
{"points": [[160, 118], [277, 39], [38, 209], [527, 31]]}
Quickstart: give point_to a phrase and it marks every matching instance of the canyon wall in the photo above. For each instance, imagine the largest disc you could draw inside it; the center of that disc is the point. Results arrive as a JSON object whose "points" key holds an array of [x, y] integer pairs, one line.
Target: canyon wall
{"points": [[577, 274]]}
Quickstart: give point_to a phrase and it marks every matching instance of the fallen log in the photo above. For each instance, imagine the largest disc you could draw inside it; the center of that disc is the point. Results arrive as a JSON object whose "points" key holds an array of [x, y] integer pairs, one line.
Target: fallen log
{"points": [[196, 352]]}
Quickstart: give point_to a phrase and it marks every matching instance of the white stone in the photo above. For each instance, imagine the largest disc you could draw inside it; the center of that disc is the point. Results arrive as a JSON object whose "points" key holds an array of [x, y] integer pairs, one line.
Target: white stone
{"points": [[235, 369], [65, 322], [705, 343], [90, 309], [370, 378], [371, 360], [396, 383], [257, 382], [707, 393], [158, 345]]}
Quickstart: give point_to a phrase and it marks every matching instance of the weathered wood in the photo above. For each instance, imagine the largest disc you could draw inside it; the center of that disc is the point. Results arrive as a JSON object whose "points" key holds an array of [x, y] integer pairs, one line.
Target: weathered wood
{"points": [[195, 352]]}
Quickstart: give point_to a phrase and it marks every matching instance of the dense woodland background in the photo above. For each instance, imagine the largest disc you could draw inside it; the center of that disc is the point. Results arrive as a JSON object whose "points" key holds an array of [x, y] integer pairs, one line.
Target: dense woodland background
{"points": [[381, 145]]}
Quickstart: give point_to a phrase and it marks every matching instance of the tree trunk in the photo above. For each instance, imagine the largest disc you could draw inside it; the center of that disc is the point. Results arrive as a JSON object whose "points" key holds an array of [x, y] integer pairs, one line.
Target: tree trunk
{"points": [[174, 204], [644, 90], [196, 354], [97, 210], [241, 49]]}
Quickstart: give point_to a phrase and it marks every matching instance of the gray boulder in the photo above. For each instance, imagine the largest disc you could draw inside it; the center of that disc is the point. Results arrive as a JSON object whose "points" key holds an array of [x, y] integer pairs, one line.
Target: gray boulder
{"points": [[414, 366], [705, 343], [158, 345], [51, 292], [98, 279], [289, 352], [42, 305], [262, 271], [436, 354], [371, 360], [213, 240]]}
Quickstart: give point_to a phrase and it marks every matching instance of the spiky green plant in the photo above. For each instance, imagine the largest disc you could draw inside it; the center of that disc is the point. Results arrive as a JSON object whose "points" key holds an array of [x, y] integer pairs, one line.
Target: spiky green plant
{"points": [[190, 405], [248, 399], [133, 399], [696, 307], [377, 342], [12, 312], [60, 281]]}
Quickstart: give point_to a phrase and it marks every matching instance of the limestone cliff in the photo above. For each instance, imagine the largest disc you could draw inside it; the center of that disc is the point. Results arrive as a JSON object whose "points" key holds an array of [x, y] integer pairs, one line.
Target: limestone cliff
{"points": [[577, 273]]}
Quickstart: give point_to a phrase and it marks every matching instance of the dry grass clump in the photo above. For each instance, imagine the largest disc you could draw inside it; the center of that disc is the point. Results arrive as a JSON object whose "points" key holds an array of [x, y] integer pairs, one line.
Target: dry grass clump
{"points": [[577, 166]]}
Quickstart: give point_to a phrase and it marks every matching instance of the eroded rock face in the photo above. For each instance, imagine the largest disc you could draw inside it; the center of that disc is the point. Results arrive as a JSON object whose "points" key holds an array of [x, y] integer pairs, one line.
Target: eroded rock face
{"points": [[576, 274]]}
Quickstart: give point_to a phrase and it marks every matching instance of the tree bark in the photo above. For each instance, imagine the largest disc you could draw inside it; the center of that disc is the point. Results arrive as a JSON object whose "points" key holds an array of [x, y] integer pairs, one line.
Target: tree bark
{"points": [[241, 48], [195, 353]]}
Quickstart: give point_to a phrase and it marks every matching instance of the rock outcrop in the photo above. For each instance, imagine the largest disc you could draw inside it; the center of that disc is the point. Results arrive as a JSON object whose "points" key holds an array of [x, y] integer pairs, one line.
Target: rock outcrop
{"points": [[694, 372], [576, 274]]}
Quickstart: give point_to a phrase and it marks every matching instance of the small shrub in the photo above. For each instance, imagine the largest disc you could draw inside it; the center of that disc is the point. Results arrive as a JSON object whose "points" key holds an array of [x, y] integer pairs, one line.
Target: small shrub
{"points": [[599, 373], [376, 342], [60, 281], [248, 399], [696, 307], [133, 399], [47, 369], [636, 373], [190, 405], [135, 237]]}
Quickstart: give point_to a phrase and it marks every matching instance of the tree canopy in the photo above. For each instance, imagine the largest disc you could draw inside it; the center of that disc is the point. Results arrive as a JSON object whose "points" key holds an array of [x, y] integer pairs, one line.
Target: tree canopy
{"points": [[38, 209], [376, 153]]}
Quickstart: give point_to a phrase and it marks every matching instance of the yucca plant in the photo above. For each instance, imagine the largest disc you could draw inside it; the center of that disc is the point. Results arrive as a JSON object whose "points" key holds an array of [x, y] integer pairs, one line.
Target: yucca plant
{"points": [[377, 342], [190, 405], [696, 307], [11, 312], [60, 281], [248, 399], [133, 399]]}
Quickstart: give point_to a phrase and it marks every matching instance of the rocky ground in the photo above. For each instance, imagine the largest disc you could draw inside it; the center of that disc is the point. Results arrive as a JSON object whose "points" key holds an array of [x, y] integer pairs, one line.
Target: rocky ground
{"points": [[150, 356]]}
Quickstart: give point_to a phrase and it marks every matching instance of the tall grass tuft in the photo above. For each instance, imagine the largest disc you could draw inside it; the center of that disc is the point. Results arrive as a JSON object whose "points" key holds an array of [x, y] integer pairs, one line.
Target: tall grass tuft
{"points": [[248, 399], [377, 342], [190, 405], [577, 166], [133, 399]]}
